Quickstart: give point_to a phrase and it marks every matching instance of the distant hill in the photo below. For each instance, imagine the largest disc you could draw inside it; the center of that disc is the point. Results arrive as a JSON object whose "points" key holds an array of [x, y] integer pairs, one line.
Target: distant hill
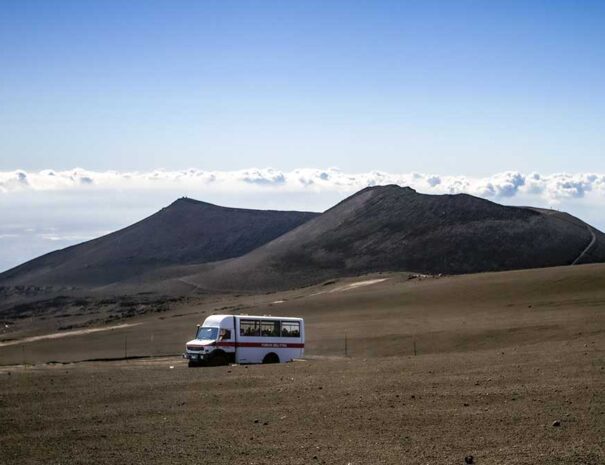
{"points": [[185, 232], [192, 245], [392, 228]]}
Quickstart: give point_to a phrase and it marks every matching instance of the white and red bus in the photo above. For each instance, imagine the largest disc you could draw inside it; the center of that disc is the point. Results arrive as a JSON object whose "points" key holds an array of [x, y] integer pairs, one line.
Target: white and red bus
{"points": [[224, 339]]}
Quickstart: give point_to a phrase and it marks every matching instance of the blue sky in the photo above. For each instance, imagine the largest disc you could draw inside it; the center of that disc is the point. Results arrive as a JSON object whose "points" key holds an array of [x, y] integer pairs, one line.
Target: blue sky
{"points": [[465, 87], [500, 99]]}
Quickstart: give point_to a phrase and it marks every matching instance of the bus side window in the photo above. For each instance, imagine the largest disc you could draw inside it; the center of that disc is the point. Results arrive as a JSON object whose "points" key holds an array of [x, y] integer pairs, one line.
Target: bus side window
{"points": [[290, 329], [270, 328], [250, 328]]}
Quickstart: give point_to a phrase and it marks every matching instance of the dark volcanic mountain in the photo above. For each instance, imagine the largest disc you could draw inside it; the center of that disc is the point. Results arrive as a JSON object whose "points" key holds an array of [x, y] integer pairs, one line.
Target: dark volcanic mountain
{"points": [[185, 232], [196, 245], [391, 228]]}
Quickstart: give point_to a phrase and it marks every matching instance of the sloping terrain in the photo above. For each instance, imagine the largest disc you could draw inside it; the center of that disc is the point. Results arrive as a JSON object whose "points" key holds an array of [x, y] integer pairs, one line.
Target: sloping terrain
{"points": [[381, 318], [390, 228], [187, 231], [507, 367]]}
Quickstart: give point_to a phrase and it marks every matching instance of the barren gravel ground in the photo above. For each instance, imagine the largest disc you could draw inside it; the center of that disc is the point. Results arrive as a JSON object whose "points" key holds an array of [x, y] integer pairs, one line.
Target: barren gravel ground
{"points": [[498, 406], [501, 357]]}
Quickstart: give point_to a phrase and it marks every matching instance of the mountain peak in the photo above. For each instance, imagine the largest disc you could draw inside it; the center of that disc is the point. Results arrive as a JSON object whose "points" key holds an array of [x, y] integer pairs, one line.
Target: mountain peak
{"points": [[387, 189], [187, 201], [392, 188]]}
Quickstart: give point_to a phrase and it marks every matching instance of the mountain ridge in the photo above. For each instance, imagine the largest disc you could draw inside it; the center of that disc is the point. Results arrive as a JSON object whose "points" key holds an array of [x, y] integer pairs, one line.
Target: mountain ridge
{"points": [[390, 228], [186, 231], [379, 228]]}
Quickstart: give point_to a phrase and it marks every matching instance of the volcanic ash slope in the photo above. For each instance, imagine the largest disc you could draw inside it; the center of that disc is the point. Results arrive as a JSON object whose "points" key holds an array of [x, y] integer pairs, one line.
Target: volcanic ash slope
{"points": [[392, 228]]}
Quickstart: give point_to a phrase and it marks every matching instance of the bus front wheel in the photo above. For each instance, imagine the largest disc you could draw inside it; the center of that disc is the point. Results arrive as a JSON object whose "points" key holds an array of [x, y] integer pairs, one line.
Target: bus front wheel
{"points": [[218, 359]]}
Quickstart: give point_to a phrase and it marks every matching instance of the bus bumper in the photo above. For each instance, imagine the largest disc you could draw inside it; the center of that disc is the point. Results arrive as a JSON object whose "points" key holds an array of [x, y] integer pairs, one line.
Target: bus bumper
{"points": [[194, 357]]}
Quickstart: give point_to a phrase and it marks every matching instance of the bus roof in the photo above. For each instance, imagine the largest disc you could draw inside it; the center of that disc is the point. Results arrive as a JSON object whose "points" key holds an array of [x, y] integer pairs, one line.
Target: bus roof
{"points": [[268, 317], [218, 318]]}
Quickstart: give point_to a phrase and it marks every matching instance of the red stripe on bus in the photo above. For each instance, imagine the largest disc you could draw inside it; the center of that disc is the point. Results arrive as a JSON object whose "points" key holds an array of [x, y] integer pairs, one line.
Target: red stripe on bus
{"points": [[276, 345]]}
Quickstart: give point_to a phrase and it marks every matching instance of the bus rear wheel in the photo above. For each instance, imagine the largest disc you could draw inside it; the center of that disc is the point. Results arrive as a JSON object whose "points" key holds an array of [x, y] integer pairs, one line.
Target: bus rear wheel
{"points": [[271, 358]]}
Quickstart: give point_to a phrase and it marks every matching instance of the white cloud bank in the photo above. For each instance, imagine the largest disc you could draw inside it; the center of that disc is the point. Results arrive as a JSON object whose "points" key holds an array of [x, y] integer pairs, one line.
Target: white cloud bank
{"points": [[551, 188], [45, 210]]}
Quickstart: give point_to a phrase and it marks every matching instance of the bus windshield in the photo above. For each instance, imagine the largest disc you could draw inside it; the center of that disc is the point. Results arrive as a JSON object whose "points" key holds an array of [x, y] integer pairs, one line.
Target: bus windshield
{"points": [[207, 333]]}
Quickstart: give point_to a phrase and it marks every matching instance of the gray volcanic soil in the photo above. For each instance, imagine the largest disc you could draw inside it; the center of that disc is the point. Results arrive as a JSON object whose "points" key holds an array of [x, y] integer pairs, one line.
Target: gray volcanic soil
{"points": [[500, 357], [497, 405]]}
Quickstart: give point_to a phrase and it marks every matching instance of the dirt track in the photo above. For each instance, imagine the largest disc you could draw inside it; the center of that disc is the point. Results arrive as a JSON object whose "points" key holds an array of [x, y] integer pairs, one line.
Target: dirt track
{"points": [[593, 240], [79, 332]]}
